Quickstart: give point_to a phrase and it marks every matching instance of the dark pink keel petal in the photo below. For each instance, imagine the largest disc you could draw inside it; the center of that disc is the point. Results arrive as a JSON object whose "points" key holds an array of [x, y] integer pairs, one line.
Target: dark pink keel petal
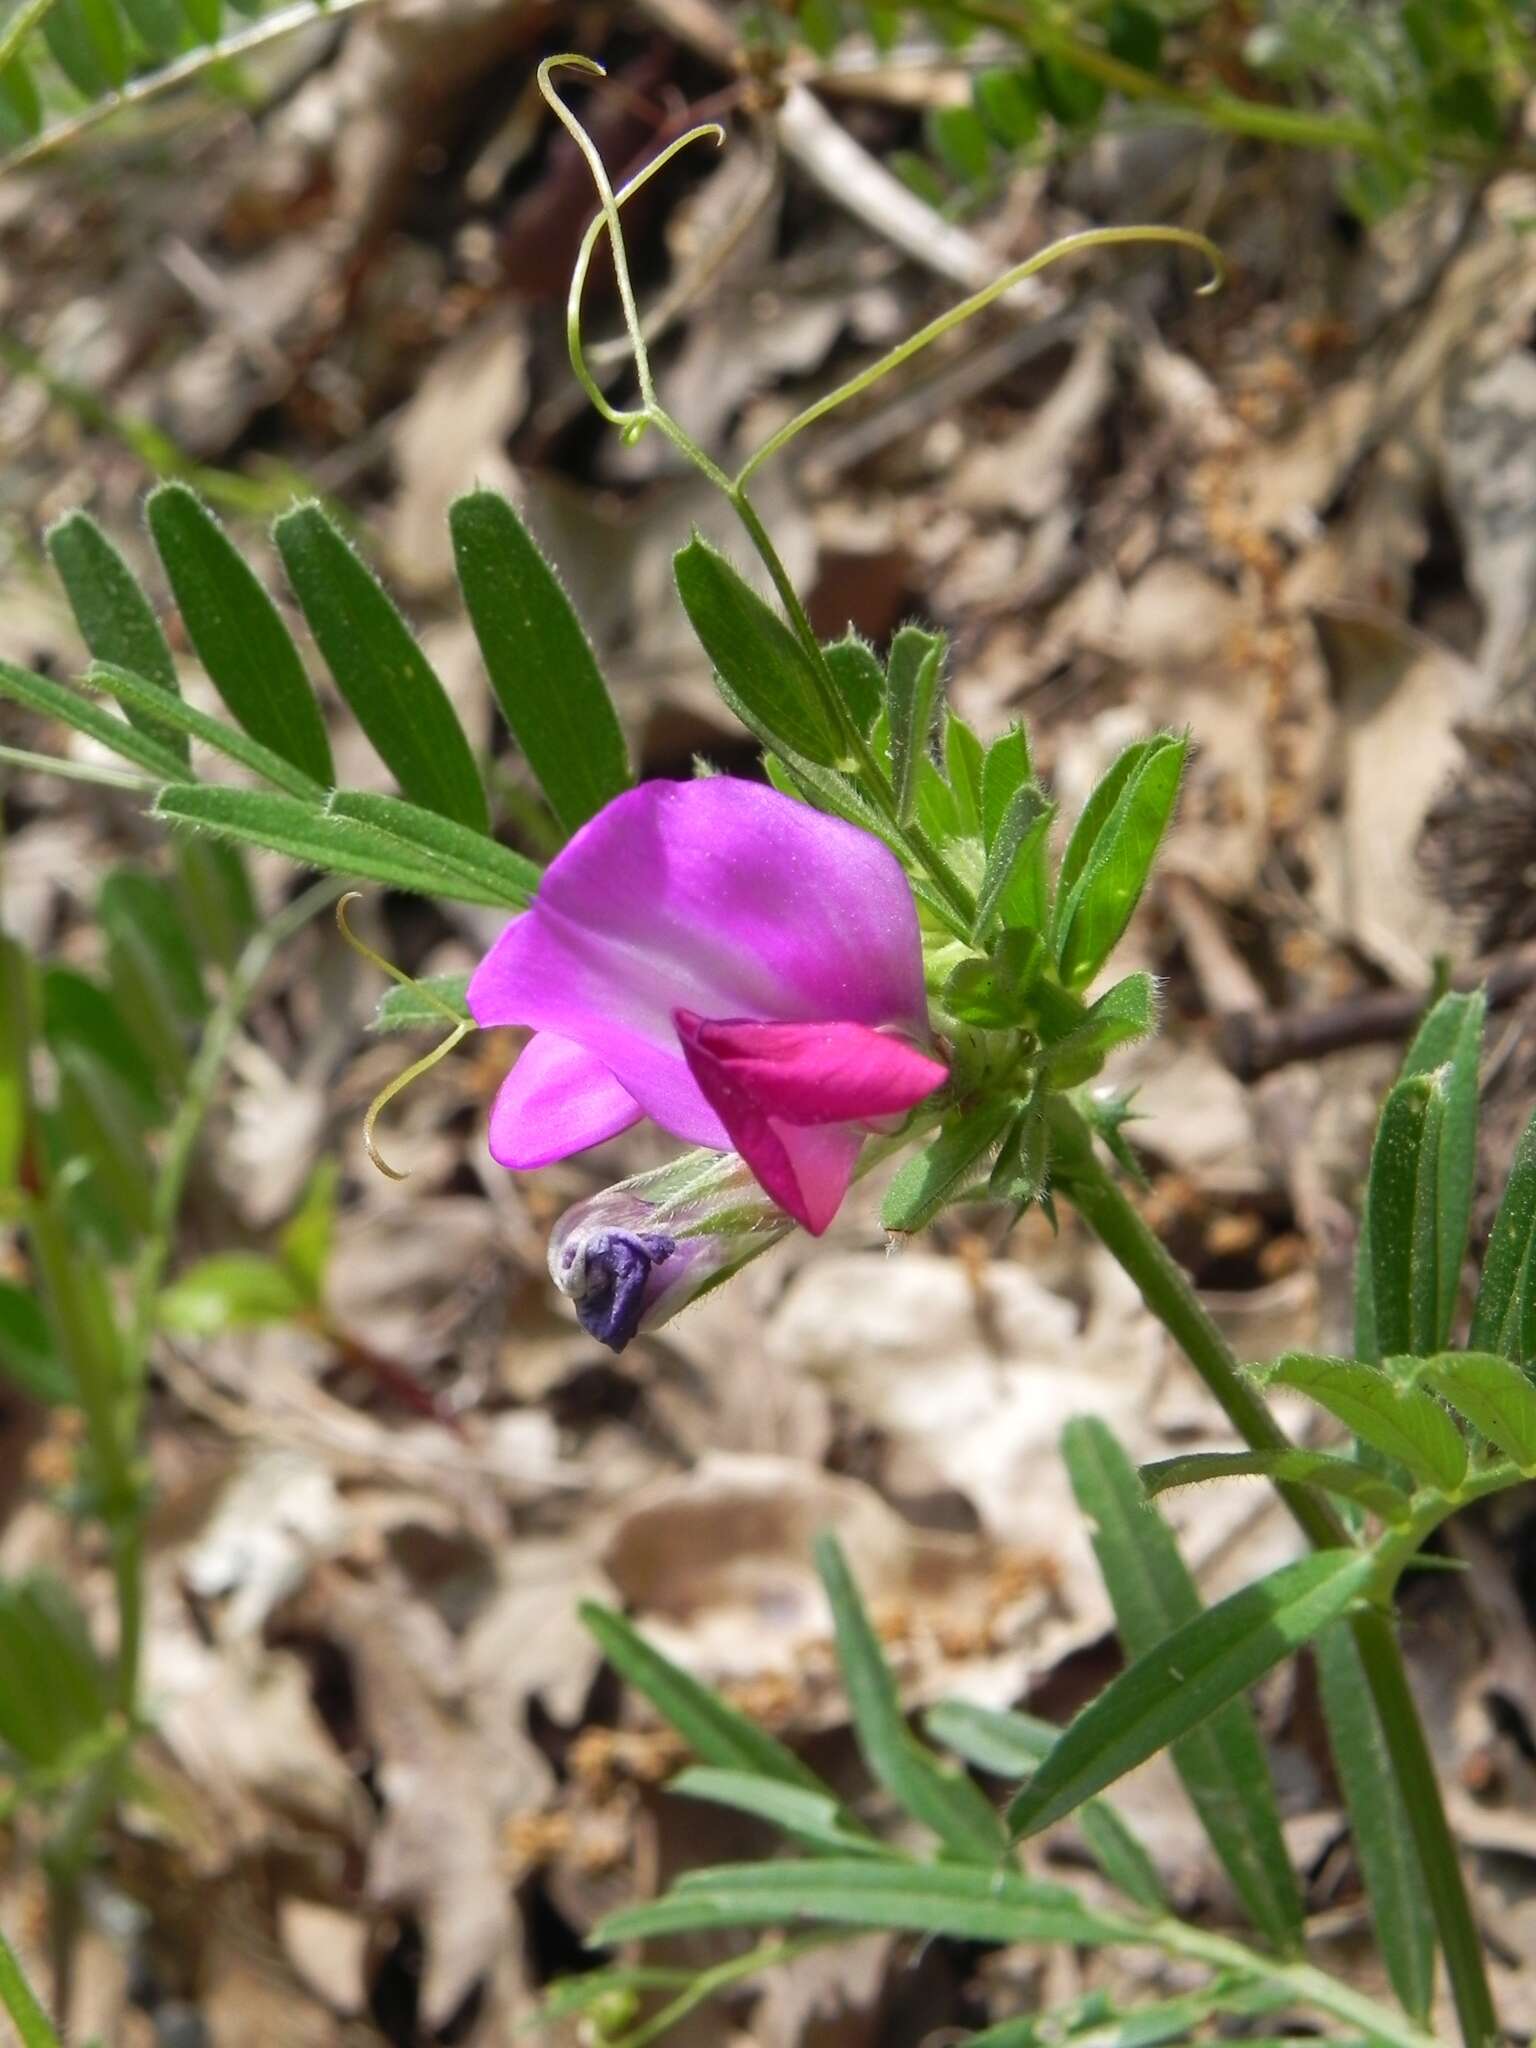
{"points": [[826, 1073], [791, 1097], [557, 1100]]}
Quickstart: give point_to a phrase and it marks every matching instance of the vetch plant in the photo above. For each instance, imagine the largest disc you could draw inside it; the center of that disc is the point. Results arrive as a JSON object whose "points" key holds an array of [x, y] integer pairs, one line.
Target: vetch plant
{"points": [[887, 952]]}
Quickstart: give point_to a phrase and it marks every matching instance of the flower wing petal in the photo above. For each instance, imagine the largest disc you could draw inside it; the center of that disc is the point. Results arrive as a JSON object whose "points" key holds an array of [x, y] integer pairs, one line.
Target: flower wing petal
{"points": [[557, 1100]]}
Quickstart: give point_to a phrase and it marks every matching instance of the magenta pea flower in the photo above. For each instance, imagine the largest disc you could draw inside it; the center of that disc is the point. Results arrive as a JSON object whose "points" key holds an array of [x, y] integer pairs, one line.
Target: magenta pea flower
{"points": [[742, 969]]}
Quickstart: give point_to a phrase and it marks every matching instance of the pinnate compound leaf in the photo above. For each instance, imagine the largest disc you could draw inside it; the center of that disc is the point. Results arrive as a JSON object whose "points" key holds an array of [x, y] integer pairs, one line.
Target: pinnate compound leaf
{"points": [[1493, 1394], [1378, 1820], [116, 619], [1383, 1408], [335, 844], [946, 1800], [1221, 1761], [138, 697], [813, 1819], [1187, 1677], [1093, 914], [1504, 1319], [1011, 1745], [1341, 1476], [239, 636], [755, 655], [955, 1160], [716, 1733], [966, 1902], [379, 668], [913, 676], [539, 661]]}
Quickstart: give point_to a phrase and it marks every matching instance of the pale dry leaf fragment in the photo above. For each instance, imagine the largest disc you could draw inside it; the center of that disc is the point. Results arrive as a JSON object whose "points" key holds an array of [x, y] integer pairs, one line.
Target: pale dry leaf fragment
{"points": [[1401, 696], [449, 437], [1488, 459], [447, 1787], [278, 1515], [328, 1951], [1032, 470]]}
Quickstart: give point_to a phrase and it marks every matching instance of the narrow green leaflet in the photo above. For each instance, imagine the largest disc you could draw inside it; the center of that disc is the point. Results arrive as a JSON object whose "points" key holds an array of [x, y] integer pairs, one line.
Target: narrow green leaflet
{"points": [[240, 638], [1381, 1407], [33, 2027], [215, 894], [116, 619], [1494, 1395], [1407, 1307], [380, 669], [1011, 887], [1095, 814], [1222, 1762], [230, 1291], [15, 1051], [538, 659], [337, 845], [813, 1819], [1010, 1745], [755, 653], [421, 1006], [156, 976], [957, 1157], [1450, 1042], [967, 1902], [137, 696], [945, 1799], [475, 855], [1095, 912], [1341, 1476], [29, 1357], [100, 1126], [1121, 1015], [21, 108], [1196, 1670], [859, 678], [85, 38], [309, 1234], [1504, 1319], [1005, 768], [964, 763], [1378, 1820], [78, 1010], [715, 1732], [57, 700], [913, 675]]}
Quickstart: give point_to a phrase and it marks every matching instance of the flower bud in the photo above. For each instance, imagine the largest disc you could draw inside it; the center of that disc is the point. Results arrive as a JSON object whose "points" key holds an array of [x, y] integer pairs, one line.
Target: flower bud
{"points": [[632, 1256]]}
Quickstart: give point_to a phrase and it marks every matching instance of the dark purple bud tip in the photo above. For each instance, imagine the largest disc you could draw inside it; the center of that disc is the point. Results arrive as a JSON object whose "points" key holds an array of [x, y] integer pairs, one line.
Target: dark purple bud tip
{"points": [[607, 1275]]}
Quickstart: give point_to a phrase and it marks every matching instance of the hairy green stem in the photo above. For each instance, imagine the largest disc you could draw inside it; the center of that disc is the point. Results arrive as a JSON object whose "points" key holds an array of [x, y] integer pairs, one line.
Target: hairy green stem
{"points": [[1090, 1186], [1309, 1986]]}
